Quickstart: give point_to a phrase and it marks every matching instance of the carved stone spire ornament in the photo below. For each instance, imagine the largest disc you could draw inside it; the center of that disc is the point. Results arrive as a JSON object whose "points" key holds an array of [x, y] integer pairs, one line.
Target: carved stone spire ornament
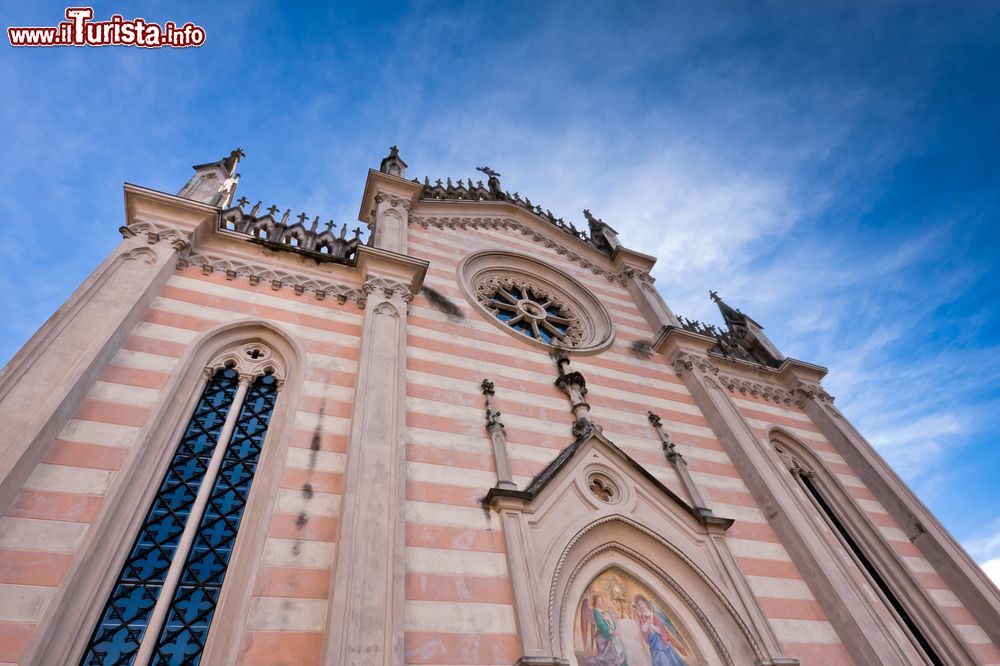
{"points": [[675, 458], [574, 385], [393, 164], [498, 437]]}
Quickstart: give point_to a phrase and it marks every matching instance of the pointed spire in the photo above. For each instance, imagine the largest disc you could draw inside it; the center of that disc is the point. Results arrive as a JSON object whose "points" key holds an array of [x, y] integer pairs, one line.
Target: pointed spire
{"points": [[731, 316], [393, 164], [214, 182]]}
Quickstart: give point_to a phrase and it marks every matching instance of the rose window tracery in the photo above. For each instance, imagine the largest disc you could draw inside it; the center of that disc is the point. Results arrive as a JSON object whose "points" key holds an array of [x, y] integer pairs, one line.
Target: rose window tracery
{"points": [[531, 310]]}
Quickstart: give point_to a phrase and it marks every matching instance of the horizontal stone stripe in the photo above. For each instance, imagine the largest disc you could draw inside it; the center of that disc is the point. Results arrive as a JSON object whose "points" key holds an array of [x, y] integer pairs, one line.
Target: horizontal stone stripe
{"points": [[791, 609], [729, 496], [431, 473], [193, 279], [77, 454], [311, 503], [165, 333], [295, 553], [783, 422], [321, 461], [603, 368], [322, 482], [51, 505], [281, 648], [159, 323], [321, 441], [308, 527], [883, 519], [286, 614], [93, 432], [892, 533], [148, 345], [748, 514], [32, 567], [462, 419], [133, 360], [459, 617], [805, 631], [195, 311], [945, 598], [550, 406], [198, 303], [23, 603], [104, 391], [812, 436], [292, 583], [334, 425], [743, 529], [460, 375], [751, 566], [850, 480], [134, 377], [427, 513], [14, 640], [112, 412], [320, 366], [827, 655], [421, 450], [479, 589], [61, 478], [440, 493], [329, 390], [860, 492], [326, 407], [45, 535], [758, 550], [455, 562], [454, 364], [930, 581], [445, 649], [454, 538], [779, 588], [871, 506], [905, 548], [957, 615]]}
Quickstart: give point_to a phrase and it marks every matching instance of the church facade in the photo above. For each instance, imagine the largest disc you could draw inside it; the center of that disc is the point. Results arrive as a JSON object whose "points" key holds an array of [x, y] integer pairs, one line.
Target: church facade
{"points": [[475, 435]]}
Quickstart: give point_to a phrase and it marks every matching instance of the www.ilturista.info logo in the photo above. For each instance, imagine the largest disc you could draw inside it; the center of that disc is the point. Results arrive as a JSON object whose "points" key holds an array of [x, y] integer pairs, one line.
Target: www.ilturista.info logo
{"points": [[81, 30]]}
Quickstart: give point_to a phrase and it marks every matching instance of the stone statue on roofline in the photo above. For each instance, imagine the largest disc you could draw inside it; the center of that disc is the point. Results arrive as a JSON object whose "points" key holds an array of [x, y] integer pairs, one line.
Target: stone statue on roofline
{"points": [[493, 182]]}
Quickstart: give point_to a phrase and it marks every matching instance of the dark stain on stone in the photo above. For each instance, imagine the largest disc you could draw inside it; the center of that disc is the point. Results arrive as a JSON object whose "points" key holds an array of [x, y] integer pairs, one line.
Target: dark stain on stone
{"points": [[440, 302], [301, 521], [296, 548], [307, 490], [641, 349]]}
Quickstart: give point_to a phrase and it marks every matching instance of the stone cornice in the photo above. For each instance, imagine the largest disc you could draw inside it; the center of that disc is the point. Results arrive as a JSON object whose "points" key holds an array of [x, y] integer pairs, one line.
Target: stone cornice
{"points": [[626, 272], [386, 185], [179, 239], [146, 203], [793, 382], [259, 272], [375, 262]]}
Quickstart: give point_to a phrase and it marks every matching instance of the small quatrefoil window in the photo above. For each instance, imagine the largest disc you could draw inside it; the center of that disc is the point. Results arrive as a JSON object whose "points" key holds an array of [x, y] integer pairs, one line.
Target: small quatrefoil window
{"points": [[603, 488]]}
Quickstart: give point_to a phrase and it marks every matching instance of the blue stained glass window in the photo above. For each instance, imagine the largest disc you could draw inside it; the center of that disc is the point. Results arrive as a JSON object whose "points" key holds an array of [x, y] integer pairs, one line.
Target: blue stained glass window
{"points": [[116, 639], [183, 636], [123, 622], [529, 313]]}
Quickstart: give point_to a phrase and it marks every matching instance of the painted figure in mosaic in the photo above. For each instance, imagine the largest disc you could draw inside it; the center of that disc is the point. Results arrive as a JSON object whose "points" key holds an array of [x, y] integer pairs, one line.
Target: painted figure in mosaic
{"points": [[665, 644], [610, 649]]}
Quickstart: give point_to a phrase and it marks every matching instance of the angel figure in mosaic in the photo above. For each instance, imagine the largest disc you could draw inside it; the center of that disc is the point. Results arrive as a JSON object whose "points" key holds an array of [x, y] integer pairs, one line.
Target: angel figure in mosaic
{"points": [[610, 649], [666, 647]]}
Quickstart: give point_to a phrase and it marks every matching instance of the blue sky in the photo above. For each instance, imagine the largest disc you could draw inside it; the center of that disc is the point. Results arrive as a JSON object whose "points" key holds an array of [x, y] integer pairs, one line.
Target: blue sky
{"points": [[830, 169]]}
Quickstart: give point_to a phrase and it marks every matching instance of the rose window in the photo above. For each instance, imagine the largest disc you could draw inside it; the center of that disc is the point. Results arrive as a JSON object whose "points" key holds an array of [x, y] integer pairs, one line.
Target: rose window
{"points": [[531, 310]]}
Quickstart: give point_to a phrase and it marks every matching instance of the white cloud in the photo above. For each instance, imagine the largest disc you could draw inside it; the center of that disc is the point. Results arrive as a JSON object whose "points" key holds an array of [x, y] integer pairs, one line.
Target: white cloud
{"points": [[992, 569]]}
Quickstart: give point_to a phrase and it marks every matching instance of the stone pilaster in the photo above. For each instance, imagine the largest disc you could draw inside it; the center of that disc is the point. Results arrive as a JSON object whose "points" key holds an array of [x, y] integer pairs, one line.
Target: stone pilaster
{"points": [[675, 458], [965, 578], [861, 630], [45, 382], [365, 621], [388, 226]]}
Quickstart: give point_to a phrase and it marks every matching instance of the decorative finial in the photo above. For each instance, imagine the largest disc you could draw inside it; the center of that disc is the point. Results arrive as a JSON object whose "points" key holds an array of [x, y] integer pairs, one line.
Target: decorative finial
{"points": [[393, 164], [242, 201], [714, 295]]}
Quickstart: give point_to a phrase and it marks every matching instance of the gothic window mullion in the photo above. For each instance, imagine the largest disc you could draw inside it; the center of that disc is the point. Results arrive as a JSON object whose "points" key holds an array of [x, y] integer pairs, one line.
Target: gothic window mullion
{"points": [[187, 538], [124, 621]]}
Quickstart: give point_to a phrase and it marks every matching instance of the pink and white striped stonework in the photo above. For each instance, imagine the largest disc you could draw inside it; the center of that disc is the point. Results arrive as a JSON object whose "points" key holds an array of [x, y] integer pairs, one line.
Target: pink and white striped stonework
{"points": [[405, 511]]}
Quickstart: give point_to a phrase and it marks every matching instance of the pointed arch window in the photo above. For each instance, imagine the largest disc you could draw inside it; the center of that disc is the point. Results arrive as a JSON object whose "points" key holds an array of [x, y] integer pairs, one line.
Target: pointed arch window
{"points": [[833, 515], [162, 604]]}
